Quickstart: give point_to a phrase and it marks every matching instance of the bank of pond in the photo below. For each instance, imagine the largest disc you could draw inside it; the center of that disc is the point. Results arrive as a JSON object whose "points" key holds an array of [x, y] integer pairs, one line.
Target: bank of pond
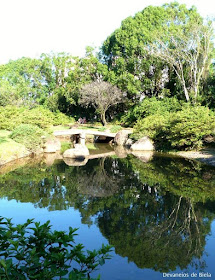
{"points": [[157, 213]]}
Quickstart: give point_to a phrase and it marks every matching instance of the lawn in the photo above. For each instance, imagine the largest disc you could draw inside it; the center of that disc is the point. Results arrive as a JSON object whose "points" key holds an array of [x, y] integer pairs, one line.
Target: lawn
{"points": [[9, 149]]}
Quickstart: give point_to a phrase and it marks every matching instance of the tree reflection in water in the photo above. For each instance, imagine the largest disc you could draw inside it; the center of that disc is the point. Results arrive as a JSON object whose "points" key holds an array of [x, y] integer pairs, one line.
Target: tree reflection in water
{"points": [[157, 214]]}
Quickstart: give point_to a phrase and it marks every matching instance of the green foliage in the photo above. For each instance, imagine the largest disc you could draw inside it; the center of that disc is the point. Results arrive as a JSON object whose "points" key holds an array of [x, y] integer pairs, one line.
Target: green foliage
{"points": [[151, 106], [153, 126], [44, 118], [11, 116], [185, 129], [125, 51], [21, 83], [28, 135], [33, 251], [102, 129]]}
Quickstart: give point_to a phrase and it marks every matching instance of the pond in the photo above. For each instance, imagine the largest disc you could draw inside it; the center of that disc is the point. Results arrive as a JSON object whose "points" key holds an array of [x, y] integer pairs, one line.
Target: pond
{"points": [[158, 214]]}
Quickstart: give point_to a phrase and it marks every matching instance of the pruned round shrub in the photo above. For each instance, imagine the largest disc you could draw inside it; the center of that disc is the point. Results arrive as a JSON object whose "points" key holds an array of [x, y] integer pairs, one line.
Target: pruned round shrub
{"points": [[28, 135], [190, 126], [182, 130], [152, 126], [151, 106]]}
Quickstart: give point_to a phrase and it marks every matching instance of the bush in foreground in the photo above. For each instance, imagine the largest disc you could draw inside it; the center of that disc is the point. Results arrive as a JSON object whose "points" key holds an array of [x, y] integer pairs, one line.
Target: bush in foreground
{"points": [[182, 130], [33, 251]]}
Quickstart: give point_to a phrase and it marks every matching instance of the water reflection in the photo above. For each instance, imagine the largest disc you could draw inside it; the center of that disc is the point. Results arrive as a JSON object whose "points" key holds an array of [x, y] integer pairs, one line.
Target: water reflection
{"points": [[157, 214]]}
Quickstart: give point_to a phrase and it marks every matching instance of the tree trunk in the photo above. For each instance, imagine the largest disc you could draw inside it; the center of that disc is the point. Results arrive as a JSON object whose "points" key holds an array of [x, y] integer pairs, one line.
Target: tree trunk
{"points": [[103, 119], [186, 93]]}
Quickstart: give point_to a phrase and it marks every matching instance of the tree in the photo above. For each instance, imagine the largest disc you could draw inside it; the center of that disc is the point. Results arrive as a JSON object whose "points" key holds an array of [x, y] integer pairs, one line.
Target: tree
{"points": [[187, 52], [137, 72], [130, 52], [101, 95], [21, 82], [8, 94], [55, 69]]}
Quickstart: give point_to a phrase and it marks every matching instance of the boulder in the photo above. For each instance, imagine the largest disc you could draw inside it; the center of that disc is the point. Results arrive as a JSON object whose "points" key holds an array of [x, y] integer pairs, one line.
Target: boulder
{"points": [[121, 137], [143, 144], [52, 146], [129, 143], [80, 151]]}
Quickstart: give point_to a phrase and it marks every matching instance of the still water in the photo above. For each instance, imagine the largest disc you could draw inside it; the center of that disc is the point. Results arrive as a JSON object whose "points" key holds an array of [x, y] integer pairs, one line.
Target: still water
{"points": [[158, 213]]}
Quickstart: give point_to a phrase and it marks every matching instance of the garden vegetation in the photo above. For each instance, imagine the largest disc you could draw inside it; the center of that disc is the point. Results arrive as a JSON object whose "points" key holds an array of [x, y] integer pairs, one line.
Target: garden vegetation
{"points": [[33, 251], [155, 73]]}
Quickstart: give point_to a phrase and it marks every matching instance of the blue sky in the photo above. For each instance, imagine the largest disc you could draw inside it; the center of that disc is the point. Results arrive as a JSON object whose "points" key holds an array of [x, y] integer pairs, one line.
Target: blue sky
{"points": [[31, 27]]}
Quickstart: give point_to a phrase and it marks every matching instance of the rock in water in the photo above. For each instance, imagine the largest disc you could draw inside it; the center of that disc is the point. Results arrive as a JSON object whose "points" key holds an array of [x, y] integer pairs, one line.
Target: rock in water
{"points": [[52, 146], [143, 144], [77, 152], [121, 137]]}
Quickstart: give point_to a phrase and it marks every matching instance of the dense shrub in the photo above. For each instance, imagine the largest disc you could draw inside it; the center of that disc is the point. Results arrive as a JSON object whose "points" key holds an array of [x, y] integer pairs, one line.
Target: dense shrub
{"points": [[28, 135], [185, 129], [153, 126], [151, 106], [11, 116], [190, 126], [33, 251]]}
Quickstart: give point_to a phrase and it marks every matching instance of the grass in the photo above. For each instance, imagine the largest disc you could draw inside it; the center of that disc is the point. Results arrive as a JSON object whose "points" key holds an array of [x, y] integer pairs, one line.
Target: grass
{"points": [[4, 133], [102, 129], [9, 149], [59, 127], [115, 128]]}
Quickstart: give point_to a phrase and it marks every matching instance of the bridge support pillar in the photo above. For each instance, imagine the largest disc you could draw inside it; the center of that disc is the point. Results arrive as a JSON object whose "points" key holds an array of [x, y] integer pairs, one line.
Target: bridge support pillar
{"points": [[82, 138]]}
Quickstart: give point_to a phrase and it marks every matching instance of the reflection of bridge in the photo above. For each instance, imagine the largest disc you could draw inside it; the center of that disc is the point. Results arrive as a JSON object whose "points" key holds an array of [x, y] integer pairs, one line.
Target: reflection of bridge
{"points": [[81, 134], [101, 155], [81, 162]]}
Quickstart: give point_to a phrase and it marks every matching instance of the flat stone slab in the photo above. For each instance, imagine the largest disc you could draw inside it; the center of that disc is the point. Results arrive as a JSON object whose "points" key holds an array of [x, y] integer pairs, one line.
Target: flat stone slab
{"points": [[83, 131]]}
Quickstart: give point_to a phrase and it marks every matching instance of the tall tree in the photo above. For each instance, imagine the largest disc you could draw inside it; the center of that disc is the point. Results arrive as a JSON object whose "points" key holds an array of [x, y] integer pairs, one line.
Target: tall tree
{"points": [[21, 79], [188, 52], [55, 69], [141, 71]]}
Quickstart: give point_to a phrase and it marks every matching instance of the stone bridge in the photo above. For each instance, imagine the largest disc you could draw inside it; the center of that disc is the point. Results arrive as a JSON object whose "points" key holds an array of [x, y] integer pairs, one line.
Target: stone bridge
{"points": [[80, 134]]}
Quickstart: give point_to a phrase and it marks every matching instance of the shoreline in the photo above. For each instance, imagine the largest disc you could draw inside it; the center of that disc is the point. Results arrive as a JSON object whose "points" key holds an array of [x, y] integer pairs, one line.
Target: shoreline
{"points": [[206, 156]]}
